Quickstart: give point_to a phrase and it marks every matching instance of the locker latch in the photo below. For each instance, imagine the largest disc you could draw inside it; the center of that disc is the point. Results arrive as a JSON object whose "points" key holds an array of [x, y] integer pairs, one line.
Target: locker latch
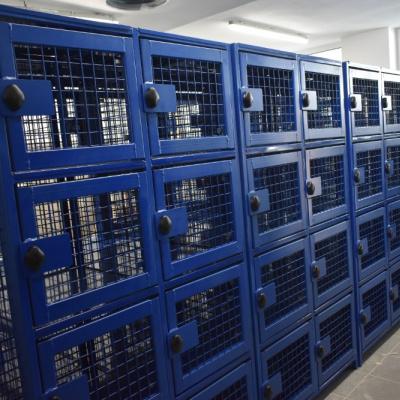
{"points": [[172, 222], [318, 268], [387, 103], [252, 99], [259, 201], [266, 296], [365, 315], [391, 231], [389, 167], [362, 247], [313, 187], [309, 100], [159, 98], [359, 175], [394, 293], [323, 347], [272, 387], [355, 102], [184, 338]]}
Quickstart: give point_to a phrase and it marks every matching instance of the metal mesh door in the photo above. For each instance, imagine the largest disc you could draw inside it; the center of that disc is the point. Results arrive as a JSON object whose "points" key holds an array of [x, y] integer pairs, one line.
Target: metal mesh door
{"points": [[394, 229], [394, 294], [391, 89], [370, 102], [392, 166]]}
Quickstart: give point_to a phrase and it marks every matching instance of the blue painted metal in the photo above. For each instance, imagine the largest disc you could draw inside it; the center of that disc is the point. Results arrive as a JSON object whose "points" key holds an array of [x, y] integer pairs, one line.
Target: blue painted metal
{"points": [[392, 167], [393, 229], [391, 113], [394, 293]]}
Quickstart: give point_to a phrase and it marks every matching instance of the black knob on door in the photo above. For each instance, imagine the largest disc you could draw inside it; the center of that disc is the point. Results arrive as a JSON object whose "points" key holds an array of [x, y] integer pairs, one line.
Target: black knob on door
{"points": [[310, 188], [305, 100], [357, 176], [165, 225], [360, 249], [261, 300], [247, 99], [13, 97], [177, 343], [320, 351], [268, 392], [364, 318], [255, 203], [388, 167], [151, 97], [353, 102], [34, 258], [316, 272]]}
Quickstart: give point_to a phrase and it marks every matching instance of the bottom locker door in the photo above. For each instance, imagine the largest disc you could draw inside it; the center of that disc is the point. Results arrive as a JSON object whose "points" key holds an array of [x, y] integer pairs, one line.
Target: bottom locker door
{"points": [[374, 313], [209, 325], [288, 366], [394, 293], [336, 339], [117, 357]]}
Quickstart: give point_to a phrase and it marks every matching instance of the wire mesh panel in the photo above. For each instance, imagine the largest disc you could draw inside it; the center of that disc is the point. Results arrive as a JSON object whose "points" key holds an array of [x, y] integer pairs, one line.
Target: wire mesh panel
{"points": [[336, 346], [106, 223], [393, 229], [93, 120], [394, 292], [275, 119], [202, 203], [391, 110], [368, 173], [275, 181], [208, 325], [392, 166], [326, 184], [374, 314], [117, 355], [331, 255], [284, 293], [193, 111], [288, 366]]}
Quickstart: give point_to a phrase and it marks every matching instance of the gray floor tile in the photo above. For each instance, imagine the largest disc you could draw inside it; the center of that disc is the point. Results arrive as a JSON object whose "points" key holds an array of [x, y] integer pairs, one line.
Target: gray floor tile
{"points": [[372, 362], [374, 388], [348, 383], [389, 367], [330, 396]]}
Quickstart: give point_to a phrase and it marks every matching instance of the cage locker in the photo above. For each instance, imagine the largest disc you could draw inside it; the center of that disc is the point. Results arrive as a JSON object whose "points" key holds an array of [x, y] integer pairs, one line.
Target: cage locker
{"points": [[326, 183], [393, 229], [374, 312], [275, 202], [208, 325], [391, 102], [331, 262], [365, 101], [269, 99], [394, 293], [84, 110], [187, 96], [322, 100], [392, 167], [114, 356]]}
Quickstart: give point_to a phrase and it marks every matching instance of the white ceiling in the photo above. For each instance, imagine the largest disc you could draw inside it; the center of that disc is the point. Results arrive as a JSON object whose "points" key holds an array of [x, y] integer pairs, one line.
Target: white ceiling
{"points": [[324, 21]]}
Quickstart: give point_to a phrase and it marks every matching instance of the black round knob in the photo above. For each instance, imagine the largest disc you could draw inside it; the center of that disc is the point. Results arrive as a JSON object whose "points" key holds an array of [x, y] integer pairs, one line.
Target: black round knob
{"points": [[353, 102], [360, 249], [310, 188], [56, 397], [390, 232], [357, 176], [364, 318], [305, 100], [316, 272], [385, 102], [255, 203], [151, 97], [177, 343], [34, 258], [13, 97], [388, 167], [320, 351], [268, 392], [392, 295], [261, 300], [165, 225], [247, 99]]}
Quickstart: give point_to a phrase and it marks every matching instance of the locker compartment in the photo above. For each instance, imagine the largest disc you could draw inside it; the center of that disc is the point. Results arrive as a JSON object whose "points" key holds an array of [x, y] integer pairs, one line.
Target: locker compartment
{"points": [[392, 167], [331, 262], [199, 218], [326, 183], [371, 242], [209, 325], [393, 233], [394, 292], [276, 204], [284, 293], [288, 366], [374, 313], [336, 338], [188, 97], [391, 102]]}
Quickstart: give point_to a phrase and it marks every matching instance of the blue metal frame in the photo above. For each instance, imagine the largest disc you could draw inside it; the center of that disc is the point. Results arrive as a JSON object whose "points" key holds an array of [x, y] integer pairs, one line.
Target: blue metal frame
{"points": [[393, 229], [394, 292], [390, 126], [392, 167]]}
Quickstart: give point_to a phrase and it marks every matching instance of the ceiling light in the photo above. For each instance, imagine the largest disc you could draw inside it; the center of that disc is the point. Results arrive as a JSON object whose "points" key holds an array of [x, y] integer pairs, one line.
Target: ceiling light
{"points": [[134, 4], [267, 31]]}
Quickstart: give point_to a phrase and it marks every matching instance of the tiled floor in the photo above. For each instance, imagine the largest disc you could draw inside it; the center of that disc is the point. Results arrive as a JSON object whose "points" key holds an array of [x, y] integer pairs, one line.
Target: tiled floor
{"points": [[377, 379]]}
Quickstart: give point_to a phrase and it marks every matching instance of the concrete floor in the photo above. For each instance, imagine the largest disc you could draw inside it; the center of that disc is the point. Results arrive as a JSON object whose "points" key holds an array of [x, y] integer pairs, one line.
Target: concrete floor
{"points": [[377, 379]]}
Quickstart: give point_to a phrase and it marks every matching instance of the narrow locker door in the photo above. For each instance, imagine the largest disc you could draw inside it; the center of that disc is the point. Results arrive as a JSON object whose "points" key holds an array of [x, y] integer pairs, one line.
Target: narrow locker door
{"points": [[392, 167], [391, 102], [394, 293], [393, 229]]}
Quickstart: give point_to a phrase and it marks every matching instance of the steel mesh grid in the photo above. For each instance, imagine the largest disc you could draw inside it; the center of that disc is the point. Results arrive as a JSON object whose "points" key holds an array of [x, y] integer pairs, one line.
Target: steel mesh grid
{"points": [[394, 219], [393, 154], [371, 162], [208, 201], [10, 378], [339, 329], [289, 276], [199, 95], [279, 112], [119, 365], [396, 281], [370, 102], [328, 113], [90, 96], [392, 89], [217, 311], [335, 252], [106, 241], [236, 391], [376, 299], [374, 231], [283, 184], [332, 171], [293, 363]]}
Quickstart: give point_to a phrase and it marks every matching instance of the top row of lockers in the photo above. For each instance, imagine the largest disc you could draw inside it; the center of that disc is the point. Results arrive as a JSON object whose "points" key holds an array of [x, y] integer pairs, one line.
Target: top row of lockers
{"points": [[92, 97]]}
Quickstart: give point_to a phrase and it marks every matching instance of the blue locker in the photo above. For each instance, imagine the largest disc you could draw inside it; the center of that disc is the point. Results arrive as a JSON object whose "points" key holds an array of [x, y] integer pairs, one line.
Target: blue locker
{"points": [[79, 97], [371, 242], [272, 114], [368, 175], [365, 102], [331, 262], [97, 238], [288, 366], [336, 338], [392, 167], [374, 312], [322, 100], [187, 97], [391, 102], [276, 204], [117, 356], [199, 218], [326, 183], [284, 293], [209, 325], [394, 292], [393, 233]]}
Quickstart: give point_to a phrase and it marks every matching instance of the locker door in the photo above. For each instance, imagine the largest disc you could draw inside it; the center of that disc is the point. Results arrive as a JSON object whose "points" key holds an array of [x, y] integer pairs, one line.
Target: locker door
{"points": [[391, 102], [272, 117], [80, 96], [187, 98], [393, 229], [392, 167], [394, 293], [322, 97]]}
